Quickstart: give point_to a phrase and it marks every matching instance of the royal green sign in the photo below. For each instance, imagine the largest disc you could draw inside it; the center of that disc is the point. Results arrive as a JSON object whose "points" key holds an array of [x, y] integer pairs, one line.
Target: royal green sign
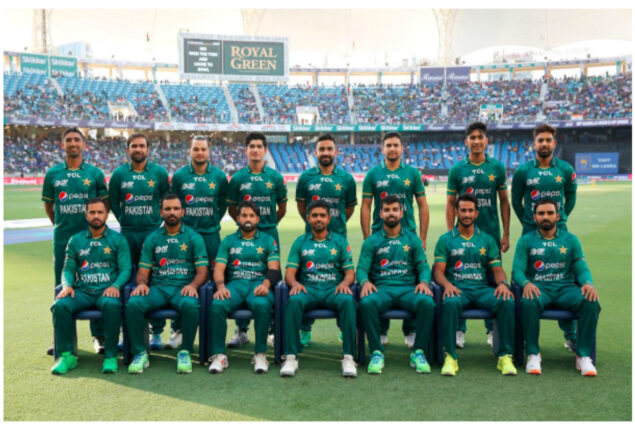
{"points": [[253, 58]]}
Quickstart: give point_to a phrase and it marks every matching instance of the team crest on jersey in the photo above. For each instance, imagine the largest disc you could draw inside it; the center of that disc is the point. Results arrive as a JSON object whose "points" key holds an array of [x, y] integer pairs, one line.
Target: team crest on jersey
{"points": [[163, 262], [535, 195], [63, 196], [310, 266], [189, 199], [129, 198], [458, 266], [539, 265], [384, 263], [84, 266]]}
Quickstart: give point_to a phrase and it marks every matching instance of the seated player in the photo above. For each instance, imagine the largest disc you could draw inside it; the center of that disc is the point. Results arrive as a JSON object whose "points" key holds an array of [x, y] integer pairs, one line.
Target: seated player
{"points": [[393, 270], [461, 259], [96, 267], [549, 264]]}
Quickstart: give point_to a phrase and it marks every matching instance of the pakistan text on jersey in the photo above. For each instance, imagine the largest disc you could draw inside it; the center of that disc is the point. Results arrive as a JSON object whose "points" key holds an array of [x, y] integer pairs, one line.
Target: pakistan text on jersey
{"points": [[170, 271], [199, 211], [78, 208], [321, 277], [94, 278], [247, 274], [549, 277], [139, 210]]}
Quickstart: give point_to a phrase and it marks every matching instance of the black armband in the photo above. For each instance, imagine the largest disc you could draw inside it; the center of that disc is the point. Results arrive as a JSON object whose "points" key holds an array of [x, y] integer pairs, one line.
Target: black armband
{"points": [[273, 276]]}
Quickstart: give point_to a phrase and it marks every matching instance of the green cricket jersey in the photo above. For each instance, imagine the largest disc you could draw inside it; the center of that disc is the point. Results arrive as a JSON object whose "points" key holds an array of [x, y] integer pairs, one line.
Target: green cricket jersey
{"points": [[550, 262], [247, 258], [393, 261], [531, 182], [69, 190], [94, 264], [173, 259], [135, 197], [266, 189], [405, 182], [203, 197], [467, 258], [338, 189], [321, 263], [483, 181]]}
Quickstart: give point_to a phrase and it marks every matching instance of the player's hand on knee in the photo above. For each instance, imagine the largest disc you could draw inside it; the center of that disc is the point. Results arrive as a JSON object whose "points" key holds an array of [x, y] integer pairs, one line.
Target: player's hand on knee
{"points": [[222, 293], [589, 293], [111, 292], [343, 289], [189, 291], [368, 288], [66, 291], [261, 290], [451, 291], [503, 291], [530, 291], [141, 290], [297, 288], [422, 288]]}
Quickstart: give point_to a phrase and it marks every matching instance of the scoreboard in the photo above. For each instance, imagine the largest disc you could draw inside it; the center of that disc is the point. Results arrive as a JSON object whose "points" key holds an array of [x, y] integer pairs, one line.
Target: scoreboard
{"points": [[202, 56]]}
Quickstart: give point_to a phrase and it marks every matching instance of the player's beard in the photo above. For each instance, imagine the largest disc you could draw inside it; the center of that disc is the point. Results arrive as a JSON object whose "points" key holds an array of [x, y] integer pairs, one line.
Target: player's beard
{"points": [[199, 163], [466, 222], [326, 161], [138, 158], [393, 158], [392, 222], [97, 223], [172, 220], [546, 225], [319, 227], [248, 227], [545, 152]]}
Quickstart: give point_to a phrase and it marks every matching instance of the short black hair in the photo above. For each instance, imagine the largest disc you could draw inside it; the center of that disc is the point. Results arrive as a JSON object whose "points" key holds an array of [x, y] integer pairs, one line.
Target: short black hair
{"points": [[250, 205], [545, 201], [72, 130], [544, 128], [319, 203], [465, 197], [96, 200], [169, 196], [392, 134], [478, 125], [325, 136], [134, 136], [199, 137], [389, 200], [256, 136]]}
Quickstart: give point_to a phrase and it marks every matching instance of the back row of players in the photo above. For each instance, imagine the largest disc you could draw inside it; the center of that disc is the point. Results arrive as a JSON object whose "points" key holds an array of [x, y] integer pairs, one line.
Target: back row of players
{"points": [[548, 261]]}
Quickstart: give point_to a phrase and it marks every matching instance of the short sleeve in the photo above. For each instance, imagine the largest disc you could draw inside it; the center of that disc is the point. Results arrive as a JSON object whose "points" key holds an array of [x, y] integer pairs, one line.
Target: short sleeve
{"points": [[493, 253], [232, 190], [146, 258], [294, 254], [453, 182], [222, 256], [346, 256], [419, 190], [367, 186], [272, 250], [281, 189], [48, 192], [441, 250], [300, 189], [199, 252], [351, 192]]}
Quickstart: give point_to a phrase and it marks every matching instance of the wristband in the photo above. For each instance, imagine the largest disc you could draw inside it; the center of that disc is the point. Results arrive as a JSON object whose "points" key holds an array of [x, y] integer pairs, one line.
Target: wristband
{"points": [[273, 276]]}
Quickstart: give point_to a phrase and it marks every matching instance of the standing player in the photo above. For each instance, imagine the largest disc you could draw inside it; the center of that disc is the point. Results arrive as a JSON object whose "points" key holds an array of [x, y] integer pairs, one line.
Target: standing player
{"points": [[135, 190], [546, 177], [333, 185], [265, 187], [393, 269], [96, 268], [393, 176], [484, 178], [461, 259], [67, 188], [549, 264]]}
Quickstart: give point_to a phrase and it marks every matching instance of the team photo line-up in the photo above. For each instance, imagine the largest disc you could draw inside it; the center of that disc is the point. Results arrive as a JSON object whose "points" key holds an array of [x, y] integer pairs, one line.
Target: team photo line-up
{"points": [[169, 248]]}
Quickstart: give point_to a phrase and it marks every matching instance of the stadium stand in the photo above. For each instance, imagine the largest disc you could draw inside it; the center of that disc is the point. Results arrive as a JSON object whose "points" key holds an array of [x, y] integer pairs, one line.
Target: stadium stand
{"points": [[245, 103], [197, 103]]}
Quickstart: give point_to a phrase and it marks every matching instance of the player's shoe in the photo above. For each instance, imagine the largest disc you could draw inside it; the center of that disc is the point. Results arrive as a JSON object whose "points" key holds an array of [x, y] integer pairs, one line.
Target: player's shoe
{"points": [[383, 339], [340, 337], [450, 366], [418, 362], [240, 338], [409, 340], [349, 367], [120, 344], [98, 344], [585, 366], [305, 337], [219, 363], [110, 365], [271, 339], [290, 366], [571, 345], [490, 338], [506, 365], [261, 365], [376, 363], [533, 364], [183, 362], [139, 363], [175, 340], [50, 350], [155, 342], [460, 339], [64, 363]]}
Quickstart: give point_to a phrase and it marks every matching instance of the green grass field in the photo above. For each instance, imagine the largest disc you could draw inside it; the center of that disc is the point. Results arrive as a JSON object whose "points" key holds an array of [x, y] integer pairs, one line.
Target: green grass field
{"points": [[601, 219]]}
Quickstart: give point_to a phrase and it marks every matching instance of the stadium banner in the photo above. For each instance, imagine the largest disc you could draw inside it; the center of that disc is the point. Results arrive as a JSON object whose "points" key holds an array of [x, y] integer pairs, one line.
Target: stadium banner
{"points": [[432, 75], [63, 66], [458, 74], [596, 162], [84, 123], [34, 63]]}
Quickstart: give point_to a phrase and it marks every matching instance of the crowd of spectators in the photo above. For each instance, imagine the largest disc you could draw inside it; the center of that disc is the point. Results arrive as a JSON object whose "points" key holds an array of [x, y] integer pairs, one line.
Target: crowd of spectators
{"points": [[245, 103], [280, 103]]}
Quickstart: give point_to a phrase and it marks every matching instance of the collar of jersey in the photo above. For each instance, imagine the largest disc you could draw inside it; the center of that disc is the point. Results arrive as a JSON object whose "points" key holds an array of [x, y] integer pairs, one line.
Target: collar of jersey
{"points": [[104, 233], [240, 234], [254, 173], [487, 160], [329, 236], [556, 234], [326, 174], [552, 163], [165, 231], [383, 163], [194, 171], [455, 233], [144, 167], [385, 233], [81, 166]]}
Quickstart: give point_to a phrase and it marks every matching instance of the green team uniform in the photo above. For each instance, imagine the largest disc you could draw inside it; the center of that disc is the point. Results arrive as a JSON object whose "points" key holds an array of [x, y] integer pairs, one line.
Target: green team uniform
{"points": [[246, 261], [467, 261], [135, 199], [395, 265], [338, 189], [558, 268], [173, 260], [91, 266], [203, 198], [320, 265]]}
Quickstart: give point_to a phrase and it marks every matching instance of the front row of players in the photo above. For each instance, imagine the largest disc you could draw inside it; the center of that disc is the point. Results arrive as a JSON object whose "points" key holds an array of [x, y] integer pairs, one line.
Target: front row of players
{"points": [[548, 264]]}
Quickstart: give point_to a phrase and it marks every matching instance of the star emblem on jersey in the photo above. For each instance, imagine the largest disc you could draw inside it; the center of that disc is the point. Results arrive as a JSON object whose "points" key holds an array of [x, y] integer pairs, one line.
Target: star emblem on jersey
{"points": [[260, 250], [268, 184], [338, 187], [212, 185], [151, 183], [563, 250], [183, 247], [107, 250], [491, 177], [406, 248], [558, 178], [483, 251], [86, 182], [333, 251], [407, 182]]}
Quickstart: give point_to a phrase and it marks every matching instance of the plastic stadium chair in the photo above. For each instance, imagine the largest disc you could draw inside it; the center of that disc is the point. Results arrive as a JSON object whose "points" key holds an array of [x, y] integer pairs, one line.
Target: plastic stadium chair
{"points": [[243, 314], [549, 313]]}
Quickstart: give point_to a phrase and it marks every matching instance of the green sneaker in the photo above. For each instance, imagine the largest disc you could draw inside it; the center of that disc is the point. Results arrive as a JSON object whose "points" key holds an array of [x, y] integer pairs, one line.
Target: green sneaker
{"points": [[376, 363], [183, 362], [506, 365], [418, 361], [450, 366], [110, 365], [64, 363], [305, 337], [341, 337], [139, 363]]}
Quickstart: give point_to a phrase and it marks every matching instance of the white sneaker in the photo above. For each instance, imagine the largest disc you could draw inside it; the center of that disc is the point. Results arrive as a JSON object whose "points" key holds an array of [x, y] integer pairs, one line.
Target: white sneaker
{"points": [[219, 363], [533, 364], [349, 367], [409, 340], [98, 345], [270, 339], [261, 365], [490, 338], [240, 338], [383, 339], [585, 366], [290, 366], [460, 339], [175, 340], [570, 345]]}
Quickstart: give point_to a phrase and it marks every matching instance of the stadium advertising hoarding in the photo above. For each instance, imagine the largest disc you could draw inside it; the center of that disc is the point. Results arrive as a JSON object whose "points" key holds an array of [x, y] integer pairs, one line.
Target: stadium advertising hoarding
{"points": [[235, 58], [50, 65], [432, 75], [601, 163], [458, 74]]}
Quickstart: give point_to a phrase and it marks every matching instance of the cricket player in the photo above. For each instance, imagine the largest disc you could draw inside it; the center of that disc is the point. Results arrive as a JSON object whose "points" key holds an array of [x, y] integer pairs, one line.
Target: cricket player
{"points": [[177, 257], [320, 273], [461, 259], [393, 271], [550, 266], [246, 271], [96, 268]]}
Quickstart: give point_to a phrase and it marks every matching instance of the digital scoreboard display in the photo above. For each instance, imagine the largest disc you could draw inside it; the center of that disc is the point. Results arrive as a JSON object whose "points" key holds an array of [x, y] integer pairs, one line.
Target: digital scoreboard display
{"points": [[202, 56]]}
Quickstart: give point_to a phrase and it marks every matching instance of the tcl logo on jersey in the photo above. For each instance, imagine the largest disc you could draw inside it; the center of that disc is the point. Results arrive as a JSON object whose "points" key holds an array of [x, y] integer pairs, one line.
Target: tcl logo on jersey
{"points": [[84, 266], [384, 263], [63, 196], [535, 195], [189, 199], [310, 266], [129, 198], [236, 263], [458, 266], [539, 265], [163, 262]]}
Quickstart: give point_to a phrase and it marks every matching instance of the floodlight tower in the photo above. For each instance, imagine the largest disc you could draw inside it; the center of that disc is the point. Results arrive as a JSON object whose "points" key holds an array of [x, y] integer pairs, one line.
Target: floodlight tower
{"points": [[42, 42], [445, 24]]}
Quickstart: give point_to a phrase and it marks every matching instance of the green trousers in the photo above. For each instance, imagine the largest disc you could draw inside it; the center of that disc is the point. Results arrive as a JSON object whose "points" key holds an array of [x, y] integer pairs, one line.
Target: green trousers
{"points": [[64, 326], [569, 298], [480, 298], [405, 297], [242, 293], [160, 297], [318, 298]]}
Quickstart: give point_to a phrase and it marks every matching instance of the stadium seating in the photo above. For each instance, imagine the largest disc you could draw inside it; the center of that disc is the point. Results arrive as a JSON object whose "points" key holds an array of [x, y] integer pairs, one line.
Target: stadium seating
{"points": [[197, 103], [245, 103]]}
